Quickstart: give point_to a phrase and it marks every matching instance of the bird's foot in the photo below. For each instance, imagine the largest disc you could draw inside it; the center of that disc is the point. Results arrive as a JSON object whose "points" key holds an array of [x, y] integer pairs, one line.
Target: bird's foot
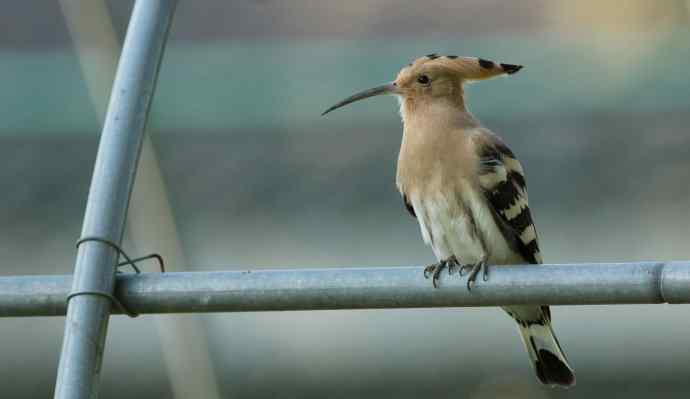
{"points": [[435, 269], [474, 270]]}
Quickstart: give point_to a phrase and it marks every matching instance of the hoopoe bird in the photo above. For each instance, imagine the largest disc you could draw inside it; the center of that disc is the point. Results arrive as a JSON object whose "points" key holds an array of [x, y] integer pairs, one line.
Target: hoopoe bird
{"points": [[467, 189]]}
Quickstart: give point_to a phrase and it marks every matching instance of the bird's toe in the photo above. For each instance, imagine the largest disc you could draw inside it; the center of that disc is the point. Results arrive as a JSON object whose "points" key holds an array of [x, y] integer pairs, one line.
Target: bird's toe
{"points": [[474, 271], [434, 271]]}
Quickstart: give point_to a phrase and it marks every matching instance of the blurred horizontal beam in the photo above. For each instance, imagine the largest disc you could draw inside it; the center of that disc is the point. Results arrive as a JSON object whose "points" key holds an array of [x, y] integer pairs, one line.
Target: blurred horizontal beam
{"points": [[186, 79], [363, 288]]}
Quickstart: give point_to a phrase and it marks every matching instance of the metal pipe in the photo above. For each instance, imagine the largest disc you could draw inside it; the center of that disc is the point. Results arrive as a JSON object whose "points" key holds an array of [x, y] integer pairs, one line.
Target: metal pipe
{"points": [[111, 185], [363, 288], [150, 220]]}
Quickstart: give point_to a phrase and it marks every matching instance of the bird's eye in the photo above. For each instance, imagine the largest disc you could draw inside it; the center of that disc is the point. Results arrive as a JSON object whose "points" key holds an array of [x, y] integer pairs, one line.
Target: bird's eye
{"points": [[423, 79]]}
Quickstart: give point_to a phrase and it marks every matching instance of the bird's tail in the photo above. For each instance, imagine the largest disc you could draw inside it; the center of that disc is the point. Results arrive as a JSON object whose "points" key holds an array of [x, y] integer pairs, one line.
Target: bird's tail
{"points": [[549, 362]]}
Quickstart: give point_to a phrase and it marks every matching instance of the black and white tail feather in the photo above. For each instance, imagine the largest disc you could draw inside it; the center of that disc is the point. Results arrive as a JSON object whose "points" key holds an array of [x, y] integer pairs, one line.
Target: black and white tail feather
{"points": [[503, 182], [549, 362]]}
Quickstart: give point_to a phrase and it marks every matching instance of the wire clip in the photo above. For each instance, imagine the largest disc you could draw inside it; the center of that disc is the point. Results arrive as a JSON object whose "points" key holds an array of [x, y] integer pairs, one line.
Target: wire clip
{"points": [[127, 262]]}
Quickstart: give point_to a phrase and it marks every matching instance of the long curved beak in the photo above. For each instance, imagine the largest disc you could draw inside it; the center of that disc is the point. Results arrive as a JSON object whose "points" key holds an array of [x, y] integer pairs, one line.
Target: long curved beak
{"points": [[389, 88]]}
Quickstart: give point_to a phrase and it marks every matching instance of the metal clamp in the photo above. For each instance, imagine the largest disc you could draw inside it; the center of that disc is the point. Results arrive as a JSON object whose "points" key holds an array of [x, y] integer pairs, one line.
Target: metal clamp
{"points": [[128, 261], [112, 298]]}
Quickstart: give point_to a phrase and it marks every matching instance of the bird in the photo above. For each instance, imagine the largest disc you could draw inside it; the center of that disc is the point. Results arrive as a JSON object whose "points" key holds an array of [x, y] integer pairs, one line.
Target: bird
{"points": [[467, 189]]}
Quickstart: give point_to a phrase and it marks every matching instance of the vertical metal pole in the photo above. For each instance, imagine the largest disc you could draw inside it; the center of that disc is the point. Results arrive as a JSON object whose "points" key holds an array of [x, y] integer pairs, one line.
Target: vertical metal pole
{"points": [[118, 153]]}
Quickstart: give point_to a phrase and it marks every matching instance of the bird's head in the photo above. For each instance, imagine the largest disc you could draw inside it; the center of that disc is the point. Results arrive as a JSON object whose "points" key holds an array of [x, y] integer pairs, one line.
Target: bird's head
{"points": [[434, 77]]}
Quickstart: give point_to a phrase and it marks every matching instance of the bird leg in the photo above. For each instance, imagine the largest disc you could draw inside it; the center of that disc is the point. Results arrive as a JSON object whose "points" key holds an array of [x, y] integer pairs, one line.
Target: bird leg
{"points": [[436, 269], [452, 263]]}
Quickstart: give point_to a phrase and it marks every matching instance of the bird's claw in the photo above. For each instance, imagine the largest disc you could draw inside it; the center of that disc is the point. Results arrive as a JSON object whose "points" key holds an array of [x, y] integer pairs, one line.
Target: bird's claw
{"points": [[435, 269], [461, 271], [474, 271]]}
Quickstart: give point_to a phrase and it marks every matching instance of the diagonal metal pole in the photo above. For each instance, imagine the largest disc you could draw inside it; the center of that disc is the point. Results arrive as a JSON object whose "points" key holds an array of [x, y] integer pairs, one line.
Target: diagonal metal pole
{"points": [[118, 153], [150, 220]]}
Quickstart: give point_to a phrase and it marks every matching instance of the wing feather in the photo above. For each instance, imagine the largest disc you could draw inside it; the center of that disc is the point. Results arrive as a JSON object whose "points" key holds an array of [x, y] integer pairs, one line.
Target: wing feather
{"points": [[409, 206], [503, 181]]}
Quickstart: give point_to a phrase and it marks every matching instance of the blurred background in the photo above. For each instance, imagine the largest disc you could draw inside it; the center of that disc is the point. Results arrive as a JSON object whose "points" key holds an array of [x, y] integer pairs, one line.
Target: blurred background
{"points": [[253, 177]]}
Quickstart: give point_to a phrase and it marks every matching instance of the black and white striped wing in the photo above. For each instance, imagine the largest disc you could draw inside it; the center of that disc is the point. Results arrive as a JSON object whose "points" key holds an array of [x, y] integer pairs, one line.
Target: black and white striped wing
{"points": [[503, 182]]}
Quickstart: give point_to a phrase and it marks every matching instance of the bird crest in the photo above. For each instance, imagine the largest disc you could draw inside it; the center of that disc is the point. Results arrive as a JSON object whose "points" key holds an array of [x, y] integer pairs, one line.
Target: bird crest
{"points": [[463, 68], [436, 76]]}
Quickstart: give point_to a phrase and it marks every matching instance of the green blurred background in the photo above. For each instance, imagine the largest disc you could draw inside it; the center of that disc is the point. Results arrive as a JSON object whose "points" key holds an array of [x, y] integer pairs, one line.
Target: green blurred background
{"points": [[256, 178]]}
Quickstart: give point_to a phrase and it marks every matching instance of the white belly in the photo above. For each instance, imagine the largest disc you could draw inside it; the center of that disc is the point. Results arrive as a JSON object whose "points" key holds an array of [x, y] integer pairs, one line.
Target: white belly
{"points": [[461, 227]]}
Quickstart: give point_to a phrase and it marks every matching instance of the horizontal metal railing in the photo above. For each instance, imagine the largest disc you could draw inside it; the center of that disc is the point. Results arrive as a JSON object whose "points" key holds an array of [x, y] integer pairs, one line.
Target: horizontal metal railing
{"points": [[363, 288]]}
